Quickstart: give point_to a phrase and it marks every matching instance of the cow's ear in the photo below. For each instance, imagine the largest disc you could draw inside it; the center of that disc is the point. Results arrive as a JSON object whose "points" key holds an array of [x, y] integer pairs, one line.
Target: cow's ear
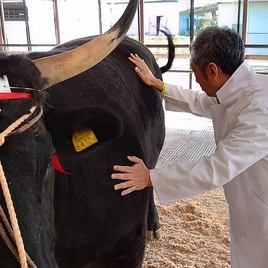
{"points": [[97, 126]]}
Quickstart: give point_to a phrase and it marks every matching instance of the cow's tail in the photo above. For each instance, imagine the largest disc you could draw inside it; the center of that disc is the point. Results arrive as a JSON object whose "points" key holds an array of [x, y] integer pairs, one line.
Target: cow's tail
{"points": [[171, 51]]}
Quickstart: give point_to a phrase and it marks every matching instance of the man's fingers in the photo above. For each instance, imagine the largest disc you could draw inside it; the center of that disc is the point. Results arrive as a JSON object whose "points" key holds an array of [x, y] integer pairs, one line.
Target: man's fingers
{"points": [[126, 169], [134, 159], [137, 56], [139, 72], [138, 63], [125, 185], [120, 176], [122, 185], [137, 60], [128, 190], [138, 67], [132, 60]]}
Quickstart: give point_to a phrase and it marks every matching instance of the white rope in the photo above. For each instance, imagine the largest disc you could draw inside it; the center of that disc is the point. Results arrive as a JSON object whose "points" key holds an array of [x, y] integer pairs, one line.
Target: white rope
{"points": [[14, 125], [7, 195]]}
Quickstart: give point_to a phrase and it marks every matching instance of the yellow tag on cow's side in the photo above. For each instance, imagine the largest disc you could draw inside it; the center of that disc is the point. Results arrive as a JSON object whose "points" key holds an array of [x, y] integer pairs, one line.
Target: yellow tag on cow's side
{"points": [[83, 139]]}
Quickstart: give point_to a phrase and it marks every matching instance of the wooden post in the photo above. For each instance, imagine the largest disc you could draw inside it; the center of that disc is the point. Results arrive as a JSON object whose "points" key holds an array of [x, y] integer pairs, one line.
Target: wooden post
{"points": [[56, 21], [100, 16], [27, 28], [141, 21], [245, 21], [2, 27]]}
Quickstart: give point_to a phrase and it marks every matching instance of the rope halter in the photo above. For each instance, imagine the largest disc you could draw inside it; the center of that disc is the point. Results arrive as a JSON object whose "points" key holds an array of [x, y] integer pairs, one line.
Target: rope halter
{"points": [[17, 127]]}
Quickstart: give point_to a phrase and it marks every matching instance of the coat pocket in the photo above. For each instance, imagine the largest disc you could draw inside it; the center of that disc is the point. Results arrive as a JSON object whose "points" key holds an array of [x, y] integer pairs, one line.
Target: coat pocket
{"points": [[258, 211]]}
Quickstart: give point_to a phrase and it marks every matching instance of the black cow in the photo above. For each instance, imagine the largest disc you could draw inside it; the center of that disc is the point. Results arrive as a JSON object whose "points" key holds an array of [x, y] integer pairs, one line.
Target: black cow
{"points": [[95, 226], [127, 117]]}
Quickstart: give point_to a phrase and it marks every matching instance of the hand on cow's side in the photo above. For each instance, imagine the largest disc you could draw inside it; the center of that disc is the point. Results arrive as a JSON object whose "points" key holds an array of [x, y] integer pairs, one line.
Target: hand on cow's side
{"points": [[136, 177], [145, 73]]}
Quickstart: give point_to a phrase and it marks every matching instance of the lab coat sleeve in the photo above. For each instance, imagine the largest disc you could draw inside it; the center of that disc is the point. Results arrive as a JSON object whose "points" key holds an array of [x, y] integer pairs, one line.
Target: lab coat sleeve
{"points": [[187, 100], [244, 145]]}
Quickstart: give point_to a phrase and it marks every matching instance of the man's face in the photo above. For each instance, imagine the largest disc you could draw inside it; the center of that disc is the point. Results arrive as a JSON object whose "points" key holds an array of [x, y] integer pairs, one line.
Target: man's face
{"points": [[206, 82]]}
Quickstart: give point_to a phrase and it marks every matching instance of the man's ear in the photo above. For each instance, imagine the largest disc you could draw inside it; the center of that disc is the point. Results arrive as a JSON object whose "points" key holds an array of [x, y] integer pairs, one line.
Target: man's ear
{"points": [[213, 70], [216, 76]]}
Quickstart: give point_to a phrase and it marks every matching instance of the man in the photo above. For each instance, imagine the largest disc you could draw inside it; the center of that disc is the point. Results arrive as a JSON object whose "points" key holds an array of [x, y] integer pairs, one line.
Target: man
{"points": [[237, 101]]}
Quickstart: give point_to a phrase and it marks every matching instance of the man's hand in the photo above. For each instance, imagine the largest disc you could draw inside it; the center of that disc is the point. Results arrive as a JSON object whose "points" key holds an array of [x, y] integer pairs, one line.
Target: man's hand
{"points": [[145, 73], [136, 177]]}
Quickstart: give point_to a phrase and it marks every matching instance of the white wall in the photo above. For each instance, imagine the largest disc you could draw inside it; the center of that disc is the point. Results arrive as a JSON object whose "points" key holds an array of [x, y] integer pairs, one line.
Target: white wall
{"points": [[112, 12], [41, 24], [227, 14], [169, 11], [15, 33], [78, 18]]}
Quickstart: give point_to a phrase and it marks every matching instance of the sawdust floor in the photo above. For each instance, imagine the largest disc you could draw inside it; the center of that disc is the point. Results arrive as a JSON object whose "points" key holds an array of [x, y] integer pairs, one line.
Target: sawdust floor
{"points": [[195, 231], [194, 234]]}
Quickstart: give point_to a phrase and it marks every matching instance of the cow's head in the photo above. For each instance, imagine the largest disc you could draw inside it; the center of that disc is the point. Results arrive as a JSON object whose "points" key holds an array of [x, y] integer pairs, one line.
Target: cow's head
{"points": [[25, 154], [24, 157]]}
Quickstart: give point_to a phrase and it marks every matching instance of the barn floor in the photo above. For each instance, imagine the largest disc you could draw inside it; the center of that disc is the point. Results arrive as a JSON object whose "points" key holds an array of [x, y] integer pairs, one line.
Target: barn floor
{"points": [[195, 230]]}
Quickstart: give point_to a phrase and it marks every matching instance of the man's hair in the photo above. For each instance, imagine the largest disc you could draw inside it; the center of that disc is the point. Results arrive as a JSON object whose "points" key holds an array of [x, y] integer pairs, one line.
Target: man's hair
{"points": [[220, 45]]}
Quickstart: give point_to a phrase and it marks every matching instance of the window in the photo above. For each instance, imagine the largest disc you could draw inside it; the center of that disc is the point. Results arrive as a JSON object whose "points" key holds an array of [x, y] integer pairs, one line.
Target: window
{"points": [[15, 11], [47, 20]]}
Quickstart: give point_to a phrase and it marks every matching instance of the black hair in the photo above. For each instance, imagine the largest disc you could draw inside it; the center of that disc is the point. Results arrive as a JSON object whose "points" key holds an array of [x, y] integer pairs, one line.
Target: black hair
{"points": [[220, 45]]}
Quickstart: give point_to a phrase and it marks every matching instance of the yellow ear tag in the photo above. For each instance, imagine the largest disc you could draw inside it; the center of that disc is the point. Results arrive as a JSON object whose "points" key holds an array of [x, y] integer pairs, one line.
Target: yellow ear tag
{"points": [[83, 139]]}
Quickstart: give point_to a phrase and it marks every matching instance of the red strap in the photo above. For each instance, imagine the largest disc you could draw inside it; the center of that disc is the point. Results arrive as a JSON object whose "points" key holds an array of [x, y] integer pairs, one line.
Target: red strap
{"points": [[57, 164], [15, 95]]}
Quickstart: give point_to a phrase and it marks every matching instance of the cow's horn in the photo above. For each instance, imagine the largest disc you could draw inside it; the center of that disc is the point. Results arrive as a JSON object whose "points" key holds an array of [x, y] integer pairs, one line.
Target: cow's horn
{"points": [[60, 67]]}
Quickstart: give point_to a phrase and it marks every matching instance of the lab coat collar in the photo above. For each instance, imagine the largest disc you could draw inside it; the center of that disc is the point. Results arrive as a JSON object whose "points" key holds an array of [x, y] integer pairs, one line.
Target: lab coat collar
{"points": [[237, 85]]}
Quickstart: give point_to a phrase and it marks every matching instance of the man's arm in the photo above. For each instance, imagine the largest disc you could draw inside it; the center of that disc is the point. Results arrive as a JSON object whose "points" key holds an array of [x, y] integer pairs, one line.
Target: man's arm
{"points": [[245, 144], [176, 98], [187, 100]]}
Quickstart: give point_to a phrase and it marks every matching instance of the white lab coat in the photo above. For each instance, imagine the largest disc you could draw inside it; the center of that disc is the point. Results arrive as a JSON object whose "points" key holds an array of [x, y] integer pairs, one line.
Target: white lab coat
{"points": [[239, 163]]}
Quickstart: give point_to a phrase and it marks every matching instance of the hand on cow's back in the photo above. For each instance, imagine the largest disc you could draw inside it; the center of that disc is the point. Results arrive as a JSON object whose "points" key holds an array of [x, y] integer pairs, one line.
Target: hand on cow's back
{"points": [[145, 73], [136, 177]]}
